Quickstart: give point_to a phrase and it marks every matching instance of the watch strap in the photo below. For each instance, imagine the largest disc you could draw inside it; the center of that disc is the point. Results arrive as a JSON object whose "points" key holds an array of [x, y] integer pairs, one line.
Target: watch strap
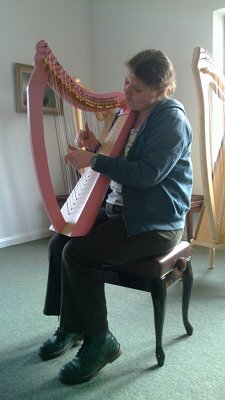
{"points": [[93, 161]]}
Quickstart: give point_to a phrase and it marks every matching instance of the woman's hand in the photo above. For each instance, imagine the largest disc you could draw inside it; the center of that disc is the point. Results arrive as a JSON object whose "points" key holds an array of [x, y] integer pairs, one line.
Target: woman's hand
{"points": [[78, 158], [87, 139]]}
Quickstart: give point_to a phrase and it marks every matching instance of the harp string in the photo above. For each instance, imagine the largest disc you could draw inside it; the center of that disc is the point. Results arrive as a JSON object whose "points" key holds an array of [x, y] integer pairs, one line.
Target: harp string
{"points": [[65, 132], [65, 135], [216, 116], [67, 129], [68, 123], [210, 90], [215, 132]]}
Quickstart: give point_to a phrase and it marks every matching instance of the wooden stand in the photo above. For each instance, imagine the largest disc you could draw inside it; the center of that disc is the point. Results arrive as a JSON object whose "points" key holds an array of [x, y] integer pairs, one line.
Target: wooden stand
{"points": [[196, 205]]}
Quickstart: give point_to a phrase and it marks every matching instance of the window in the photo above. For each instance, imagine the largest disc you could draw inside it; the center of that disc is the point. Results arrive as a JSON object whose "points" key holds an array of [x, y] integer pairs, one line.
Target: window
{"points": [[219, 38]]}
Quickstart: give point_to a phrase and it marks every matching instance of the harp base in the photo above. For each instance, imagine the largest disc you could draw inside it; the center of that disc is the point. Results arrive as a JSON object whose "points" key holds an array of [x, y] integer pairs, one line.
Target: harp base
{"points": [[212, 250], [67, 230], [209, 245]]}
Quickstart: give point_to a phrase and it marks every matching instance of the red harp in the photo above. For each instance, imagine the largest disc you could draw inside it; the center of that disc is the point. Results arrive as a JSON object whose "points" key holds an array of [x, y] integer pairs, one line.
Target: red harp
{"points": [[78, 214], [210, 90]]}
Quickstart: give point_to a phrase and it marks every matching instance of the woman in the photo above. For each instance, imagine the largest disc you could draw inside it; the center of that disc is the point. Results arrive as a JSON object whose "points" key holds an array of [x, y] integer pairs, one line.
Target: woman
{"points": [[144, 215]]}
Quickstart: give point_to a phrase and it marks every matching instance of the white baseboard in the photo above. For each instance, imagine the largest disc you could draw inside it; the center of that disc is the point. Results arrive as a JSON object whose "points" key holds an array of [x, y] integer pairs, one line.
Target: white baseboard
{"points": [[24, 237]]}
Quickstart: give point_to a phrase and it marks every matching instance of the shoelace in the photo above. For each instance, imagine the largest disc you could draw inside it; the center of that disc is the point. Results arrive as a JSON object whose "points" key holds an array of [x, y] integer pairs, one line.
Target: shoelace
{"points": [[59, 334], [83, 349], [57, 331]]}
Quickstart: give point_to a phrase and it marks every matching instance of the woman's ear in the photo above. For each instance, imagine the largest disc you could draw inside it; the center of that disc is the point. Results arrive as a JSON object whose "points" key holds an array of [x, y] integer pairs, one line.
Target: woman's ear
{"points": [[161, 93]]}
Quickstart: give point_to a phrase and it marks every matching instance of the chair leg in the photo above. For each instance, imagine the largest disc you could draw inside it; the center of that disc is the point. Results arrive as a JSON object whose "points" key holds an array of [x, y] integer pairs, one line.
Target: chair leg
{"points": [[187, 286], [158, 293]]}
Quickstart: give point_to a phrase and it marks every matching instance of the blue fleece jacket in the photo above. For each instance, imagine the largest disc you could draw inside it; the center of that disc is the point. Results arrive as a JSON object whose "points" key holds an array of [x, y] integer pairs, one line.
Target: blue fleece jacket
{"points": [[156, 176]]}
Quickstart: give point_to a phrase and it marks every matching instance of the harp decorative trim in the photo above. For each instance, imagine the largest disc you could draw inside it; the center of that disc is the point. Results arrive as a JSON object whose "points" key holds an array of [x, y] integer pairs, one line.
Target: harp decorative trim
{"points": [[210, 91], [79, 213]]}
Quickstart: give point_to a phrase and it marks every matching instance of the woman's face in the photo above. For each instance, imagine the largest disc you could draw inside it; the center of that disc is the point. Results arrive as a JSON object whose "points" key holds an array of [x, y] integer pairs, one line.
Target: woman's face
{"points": [[139, 96]]}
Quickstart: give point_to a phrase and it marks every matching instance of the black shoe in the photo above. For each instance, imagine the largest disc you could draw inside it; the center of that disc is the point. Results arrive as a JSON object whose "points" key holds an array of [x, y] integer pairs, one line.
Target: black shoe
{"points": [[58, 344], [94, 354]]}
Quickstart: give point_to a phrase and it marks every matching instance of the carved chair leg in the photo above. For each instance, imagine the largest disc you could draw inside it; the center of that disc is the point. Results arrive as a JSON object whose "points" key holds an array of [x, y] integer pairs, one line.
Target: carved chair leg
{"points": [[158, 293], [187, 287]]}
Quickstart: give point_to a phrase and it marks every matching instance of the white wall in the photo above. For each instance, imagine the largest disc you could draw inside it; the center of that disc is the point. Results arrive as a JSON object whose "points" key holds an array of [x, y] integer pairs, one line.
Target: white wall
{"points": [[91, 38], [174, 26], [65, 25]]}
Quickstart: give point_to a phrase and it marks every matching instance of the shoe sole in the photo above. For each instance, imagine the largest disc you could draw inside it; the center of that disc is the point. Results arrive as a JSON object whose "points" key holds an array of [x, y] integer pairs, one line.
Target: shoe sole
{"points": [[46, 357], [86, 378]]}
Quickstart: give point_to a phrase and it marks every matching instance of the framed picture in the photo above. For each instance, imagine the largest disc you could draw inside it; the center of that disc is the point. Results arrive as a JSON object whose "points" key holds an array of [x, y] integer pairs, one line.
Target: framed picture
{"points": [[22, 76]]}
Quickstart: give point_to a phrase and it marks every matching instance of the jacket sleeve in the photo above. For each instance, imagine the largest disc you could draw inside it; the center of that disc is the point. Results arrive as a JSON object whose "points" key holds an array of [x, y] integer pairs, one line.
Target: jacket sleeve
{"points": [[155, 152]]}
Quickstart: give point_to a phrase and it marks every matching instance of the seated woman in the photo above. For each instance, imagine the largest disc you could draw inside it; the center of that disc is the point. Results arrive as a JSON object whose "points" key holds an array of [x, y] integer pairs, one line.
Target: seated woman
{"points": [[144, 215]]}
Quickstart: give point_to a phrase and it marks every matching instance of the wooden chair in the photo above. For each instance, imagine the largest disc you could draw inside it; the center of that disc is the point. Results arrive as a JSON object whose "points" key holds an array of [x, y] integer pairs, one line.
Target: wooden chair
{"points": [[154, 275]]}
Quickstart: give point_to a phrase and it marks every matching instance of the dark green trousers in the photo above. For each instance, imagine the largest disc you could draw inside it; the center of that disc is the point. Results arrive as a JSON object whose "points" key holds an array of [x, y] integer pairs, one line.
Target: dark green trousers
{"points": [[75, 288]]}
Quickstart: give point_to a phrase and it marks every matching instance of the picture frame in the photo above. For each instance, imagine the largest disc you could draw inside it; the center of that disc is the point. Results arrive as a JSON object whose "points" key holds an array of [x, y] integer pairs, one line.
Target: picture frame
{"points": [[22, 76]]}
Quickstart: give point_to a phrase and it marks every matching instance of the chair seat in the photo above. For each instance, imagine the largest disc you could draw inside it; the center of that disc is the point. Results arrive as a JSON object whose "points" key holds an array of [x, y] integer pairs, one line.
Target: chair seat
{"points": [[156, 267]]}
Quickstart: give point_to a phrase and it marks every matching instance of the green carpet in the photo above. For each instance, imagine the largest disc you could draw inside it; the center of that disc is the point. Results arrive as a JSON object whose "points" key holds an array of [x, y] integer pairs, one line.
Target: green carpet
{"points": [[194, 366]]}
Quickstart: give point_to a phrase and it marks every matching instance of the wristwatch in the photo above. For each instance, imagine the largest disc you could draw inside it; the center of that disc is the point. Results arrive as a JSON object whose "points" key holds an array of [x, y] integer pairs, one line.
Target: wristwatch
{"points": [[93, 161]]}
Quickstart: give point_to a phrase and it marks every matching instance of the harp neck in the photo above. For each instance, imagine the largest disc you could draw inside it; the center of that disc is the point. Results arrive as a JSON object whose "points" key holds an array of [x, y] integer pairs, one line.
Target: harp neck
{"points": [[70, 90]]}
